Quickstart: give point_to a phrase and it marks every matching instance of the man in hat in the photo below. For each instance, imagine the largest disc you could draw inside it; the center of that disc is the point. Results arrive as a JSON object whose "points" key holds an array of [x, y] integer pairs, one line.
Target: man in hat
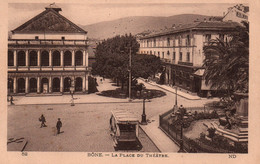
{"points": [[58, 126], [42, 120]]}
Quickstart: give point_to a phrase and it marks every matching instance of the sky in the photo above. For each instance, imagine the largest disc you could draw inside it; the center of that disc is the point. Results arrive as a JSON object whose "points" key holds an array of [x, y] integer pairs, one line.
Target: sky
{"points": [[90, 13]]}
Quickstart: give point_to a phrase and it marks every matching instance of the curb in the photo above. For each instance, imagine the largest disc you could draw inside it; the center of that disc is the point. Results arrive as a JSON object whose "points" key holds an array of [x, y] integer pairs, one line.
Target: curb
{"points": [[150, 139], [170, 91], [80, 103]]}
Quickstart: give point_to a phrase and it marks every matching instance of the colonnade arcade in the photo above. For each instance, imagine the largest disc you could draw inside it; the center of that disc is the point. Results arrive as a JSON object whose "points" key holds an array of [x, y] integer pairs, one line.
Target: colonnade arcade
{"points": [[46, 58], [46, 84]]}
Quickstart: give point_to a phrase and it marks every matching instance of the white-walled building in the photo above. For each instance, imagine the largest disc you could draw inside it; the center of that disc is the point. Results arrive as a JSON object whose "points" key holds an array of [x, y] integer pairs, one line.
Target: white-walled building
{"points": [[237, 13], [181, 49], [48, 54]]}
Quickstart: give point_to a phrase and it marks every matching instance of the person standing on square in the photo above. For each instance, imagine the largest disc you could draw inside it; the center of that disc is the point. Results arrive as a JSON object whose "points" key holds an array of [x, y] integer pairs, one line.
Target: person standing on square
{"points": [[58, 126]]}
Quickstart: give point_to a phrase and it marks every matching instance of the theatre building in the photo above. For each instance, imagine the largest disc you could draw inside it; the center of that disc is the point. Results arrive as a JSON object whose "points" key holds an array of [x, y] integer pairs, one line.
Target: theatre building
{"points": [[181, 50], [48, 54]]}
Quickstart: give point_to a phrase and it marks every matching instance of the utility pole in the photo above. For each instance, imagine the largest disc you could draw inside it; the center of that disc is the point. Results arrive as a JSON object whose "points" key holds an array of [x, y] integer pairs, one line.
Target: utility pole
{"points": [[130, 70]]}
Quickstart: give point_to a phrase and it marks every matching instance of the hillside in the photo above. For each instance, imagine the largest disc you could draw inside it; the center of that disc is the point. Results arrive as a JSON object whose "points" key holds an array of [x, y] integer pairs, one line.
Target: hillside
{"points": [[137, 24]]}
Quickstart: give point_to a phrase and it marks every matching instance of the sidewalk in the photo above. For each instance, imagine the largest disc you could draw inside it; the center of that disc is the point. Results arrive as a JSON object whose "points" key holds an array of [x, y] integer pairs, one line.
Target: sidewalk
{"points": [[172, 90], [159, 138]]}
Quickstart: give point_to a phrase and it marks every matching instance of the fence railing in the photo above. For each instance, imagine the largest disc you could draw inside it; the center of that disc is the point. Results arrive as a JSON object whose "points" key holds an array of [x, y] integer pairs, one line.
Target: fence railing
{"points": [[189, 145]]}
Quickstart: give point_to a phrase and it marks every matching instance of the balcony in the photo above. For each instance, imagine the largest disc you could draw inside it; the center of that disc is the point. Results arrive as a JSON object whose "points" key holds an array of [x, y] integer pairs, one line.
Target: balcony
{"points": [[185, 63], [46, 68], [45, 42]]}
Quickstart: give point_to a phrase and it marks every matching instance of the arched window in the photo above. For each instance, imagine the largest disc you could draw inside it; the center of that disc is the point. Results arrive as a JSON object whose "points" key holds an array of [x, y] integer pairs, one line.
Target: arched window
{"points": [[10, 58], [44, 58], [56, 58], [21, 58], [67, 58], [78, 58], [56, 85], [33, 85], [67, 84], [21, 85], [78, 86], [33, 58]]}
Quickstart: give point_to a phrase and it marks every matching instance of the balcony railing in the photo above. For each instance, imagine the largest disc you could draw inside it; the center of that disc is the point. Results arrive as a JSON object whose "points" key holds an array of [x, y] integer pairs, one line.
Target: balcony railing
{"points": [[45, 42], [185, 63], [47, 68]]}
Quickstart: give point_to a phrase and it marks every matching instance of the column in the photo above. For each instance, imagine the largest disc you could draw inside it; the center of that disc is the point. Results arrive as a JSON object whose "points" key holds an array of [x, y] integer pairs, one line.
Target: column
{"points": [[61, 84], [84, 84], [39, 58], [50, 58], [84, 58], [15, 58], [61, 58], [50, 84], [38, 85], [15, 84], [26, 58], [27, 84], [73, 58]]}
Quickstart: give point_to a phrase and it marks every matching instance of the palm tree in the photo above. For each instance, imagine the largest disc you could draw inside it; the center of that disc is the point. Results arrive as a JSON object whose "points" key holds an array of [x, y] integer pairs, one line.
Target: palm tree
{"points": [[227, 62]]}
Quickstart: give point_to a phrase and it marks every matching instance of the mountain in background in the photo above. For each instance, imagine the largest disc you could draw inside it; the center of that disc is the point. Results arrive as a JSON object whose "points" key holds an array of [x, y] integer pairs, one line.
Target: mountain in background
{"points": [[138, 24]]}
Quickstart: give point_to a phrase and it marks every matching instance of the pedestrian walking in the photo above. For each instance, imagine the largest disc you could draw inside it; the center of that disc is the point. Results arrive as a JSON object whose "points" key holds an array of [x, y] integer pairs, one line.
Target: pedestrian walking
{"points": [[42, 120], [11, 100], [58, 126]]}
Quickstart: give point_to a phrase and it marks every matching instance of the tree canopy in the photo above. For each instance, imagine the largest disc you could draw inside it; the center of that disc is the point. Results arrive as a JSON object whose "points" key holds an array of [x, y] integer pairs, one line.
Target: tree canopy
{"points": [[112, 59], [227, 61]]}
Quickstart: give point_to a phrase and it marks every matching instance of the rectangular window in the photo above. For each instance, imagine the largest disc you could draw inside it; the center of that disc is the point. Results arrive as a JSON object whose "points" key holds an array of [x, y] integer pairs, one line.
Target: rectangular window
{"points": [[158, 54], [188, 57], [180, 58], [36, 37], [162, 55], [173, 55], [63, 38], [208, 37], [154, 42], [188, 40], [168, 42]]}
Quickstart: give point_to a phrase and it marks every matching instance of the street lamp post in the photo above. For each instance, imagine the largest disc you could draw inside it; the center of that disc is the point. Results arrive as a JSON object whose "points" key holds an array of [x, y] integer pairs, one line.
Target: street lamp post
{"points": [[144, 95], [130, 73], [181, 116]]}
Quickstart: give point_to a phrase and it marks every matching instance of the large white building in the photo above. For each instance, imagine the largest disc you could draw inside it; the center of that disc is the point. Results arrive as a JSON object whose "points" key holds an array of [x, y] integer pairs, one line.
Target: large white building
{"points": [[181, 49], [237, 13], [47, 54]]}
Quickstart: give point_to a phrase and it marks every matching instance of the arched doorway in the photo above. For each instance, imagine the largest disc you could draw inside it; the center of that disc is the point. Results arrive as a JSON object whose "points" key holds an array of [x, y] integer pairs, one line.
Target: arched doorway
{"points": [[21, 85], [78, 85], [44, 58], [33, 58], [10, 58], [56, 85], [10, 84], [45, 85], [67, 84], [21, 58], [67, 58], [56, 58], [33, 85], [78, 58]]}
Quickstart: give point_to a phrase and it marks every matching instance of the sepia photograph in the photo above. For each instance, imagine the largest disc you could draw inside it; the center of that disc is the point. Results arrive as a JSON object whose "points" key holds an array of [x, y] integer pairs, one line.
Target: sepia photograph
{"points": [[127, 79]]}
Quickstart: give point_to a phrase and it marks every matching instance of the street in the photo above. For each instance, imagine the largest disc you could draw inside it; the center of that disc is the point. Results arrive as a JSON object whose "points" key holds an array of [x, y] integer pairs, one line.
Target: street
{"points": [[85, 126]]}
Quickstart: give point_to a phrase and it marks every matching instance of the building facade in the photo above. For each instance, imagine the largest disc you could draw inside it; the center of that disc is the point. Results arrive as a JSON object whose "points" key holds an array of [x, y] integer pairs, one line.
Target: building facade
{"points": [[181, 50], [237, 13], [48, 54]]}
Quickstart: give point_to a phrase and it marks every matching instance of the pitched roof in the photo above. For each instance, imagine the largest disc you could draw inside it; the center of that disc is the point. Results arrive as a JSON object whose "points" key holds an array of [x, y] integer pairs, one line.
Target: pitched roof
{"points": [[49, 21], [196, 26]]}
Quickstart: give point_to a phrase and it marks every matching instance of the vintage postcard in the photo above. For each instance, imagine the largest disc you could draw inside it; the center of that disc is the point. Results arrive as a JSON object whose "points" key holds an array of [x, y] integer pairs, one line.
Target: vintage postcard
{"points": [[125, 81]]}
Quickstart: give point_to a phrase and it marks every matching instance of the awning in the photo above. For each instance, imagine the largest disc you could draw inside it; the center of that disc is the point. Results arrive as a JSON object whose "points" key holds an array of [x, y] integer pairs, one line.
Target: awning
{"points": [[199, 72]]}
